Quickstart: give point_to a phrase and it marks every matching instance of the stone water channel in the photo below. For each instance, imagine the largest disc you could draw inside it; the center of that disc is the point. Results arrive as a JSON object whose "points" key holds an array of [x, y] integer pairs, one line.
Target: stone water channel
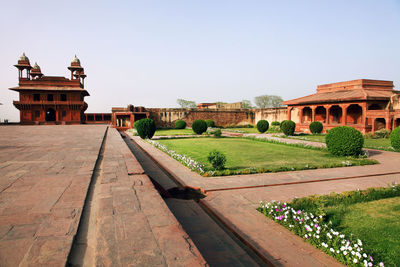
{"points": [[218, 245]]}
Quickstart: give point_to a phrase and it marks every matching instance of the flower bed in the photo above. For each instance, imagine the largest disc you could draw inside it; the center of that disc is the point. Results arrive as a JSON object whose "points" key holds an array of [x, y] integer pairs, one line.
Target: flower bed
{"points": [[314, 230], [185, 160]]}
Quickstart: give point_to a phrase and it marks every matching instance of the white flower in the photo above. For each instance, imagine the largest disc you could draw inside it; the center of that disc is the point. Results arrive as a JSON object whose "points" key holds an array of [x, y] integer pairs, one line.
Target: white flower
{"points": [[355, 260], [345, 252], [332, 250], [364, 255], [381, 264]]}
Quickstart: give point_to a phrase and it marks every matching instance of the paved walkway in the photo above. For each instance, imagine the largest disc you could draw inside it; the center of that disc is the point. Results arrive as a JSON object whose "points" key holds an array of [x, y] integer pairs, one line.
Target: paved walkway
{"points": [[44, 175], [234, 199], [134, 225]]}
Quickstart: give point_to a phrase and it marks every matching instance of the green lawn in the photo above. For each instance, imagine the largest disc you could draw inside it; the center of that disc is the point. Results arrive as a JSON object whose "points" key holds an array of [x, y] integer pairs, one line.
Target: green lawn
{"points": [[370, 215], [376, 223], [244, 154], [380, 143], [167, 132], [272, 129]]}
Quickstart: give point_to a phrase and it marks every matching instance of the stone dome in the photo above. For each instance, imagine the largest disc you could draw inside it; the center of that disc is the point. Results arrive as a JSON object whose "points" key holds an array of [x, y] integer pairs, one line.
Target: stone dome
{"points": [[36, 67], [76, 60], [23, 58]]}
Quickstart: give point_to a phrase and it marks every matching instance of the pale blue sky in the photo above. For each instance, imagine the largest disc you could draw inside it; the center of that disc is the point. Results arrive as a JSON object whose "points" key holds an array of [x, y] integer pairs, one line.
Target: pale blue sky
{"points": [[149, 53]]}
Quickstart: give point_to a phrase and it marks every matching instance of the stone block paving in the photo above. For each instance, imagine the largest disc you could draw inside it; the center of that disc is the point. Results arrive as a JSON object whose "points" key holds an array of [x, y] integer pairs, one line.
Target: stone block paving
{"points": [[45, 172], [134, 225]]}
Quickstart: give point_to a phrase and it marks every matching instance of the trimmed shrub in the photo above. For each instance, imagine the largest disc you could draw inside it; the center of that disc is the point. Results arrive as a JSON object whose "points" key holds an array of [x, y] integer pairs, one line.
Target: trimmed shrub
{"points": [[180, 124], [395, 138], [145, 128], [382, 133], [217, 159], [210, 123], [316, 127], [275, 123], [282, 123], [216, 132], [288, 127], [262, 126], [344, 141], [199, 126]]}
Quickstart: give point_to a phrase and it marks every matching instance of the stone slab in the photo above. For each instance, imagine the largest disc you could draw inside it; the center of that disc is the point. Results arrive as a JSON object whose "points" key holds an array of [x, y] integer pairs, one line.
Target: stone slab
{"points": [[42, 190]]}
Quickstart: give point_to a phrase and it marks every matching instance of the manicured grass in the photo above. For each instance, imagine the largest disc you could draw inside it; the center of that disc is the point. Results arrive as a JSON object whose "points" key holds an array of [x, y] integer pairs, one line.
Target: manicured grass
{"points": [[377, 224], [244, 153], [368, 215], [168, 132], [272, 129], [379, 143]]}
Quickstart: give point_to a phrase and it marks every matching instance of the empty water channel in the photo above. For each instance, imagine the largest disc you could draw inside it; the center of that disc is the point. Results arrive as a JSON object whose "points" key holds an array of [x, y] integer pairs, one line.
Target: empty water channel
{"points": [[218, 245]]}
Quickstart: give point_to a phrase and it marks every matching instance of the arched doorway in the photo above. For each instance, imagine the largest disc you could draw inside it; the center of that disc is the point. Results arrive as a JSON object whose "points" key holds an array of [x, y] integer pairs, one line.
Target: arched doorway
{"points": [[335, 115], [320, 114], [380, 123], [354, 114], [50, 115], [307, 114]]}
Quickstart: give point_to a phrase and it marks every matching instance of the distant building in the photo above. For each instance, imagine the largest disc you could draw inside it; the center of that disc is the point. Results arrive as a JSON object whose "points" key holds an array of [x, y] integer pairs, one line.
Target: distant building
{"points": [[237, 105], [50, 99], [124, 118], [367, 105]]}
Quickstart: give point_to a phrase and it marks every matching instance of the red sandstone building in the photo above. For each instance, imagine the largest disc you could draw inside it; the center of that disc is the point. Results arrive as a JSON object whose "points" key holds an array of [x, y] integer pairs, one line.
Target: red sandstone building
{"points": [[50, 99], [367, 105]]}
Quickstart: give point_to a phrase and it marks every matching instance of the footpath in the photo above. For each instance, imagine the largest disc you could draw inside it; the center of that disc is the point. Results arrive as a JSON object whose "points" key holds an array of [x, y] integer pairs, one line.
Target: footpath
{"points": [[234, 199], [75, 195]]}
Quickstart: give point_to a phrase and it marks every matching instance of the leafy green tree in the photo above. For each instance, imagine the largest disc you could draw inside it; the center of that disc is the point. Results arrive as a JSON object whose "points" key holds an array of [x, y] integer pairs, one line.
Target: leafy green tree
{"points": [[268, 101], [246, 104], [186, 103]]}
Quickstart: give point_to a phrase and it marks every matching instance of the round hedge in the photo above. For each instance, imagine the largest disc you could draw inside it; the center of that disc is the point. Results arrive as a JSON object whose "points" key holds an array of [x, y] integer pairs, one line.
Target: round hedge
{"points": [[199, 126], [288, 127], [282, 122], [262, 126], [180, 124], [316, 127], [395, 138], [344, 141], [210, 123], [145, 128], [275, 123]]}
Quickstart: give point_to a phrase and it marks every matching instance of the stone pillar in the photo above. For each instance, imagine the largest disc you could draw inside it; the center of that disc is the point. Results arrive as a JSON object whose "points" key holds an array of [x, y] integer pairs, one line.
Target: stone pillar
{"points": [[289, 113], [301, 115], [327, 108], [344, 114], [312, 113], [373, 125], [364, 122]]}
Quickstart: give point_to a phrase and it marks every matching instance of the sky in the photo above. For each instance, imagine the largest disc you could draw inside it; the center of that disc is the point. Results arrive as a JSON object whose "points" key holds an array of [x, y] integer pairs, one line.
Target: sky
{"points": [[150, 53]]}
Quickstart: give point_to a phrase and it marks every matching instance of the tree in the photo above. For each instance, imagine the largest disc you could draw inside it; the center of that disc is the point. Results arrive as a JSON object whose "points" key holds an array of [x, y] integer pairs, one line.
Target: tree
{"points": [[186, 103], [268, 101], [246, 104]]}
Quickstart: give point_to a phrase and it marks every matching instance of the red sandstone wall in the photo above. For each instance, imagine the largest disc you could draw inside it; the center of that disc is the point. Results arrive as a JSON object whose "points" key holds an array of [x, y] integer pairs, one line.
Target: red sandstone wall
{"points": [[166, 117]]}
